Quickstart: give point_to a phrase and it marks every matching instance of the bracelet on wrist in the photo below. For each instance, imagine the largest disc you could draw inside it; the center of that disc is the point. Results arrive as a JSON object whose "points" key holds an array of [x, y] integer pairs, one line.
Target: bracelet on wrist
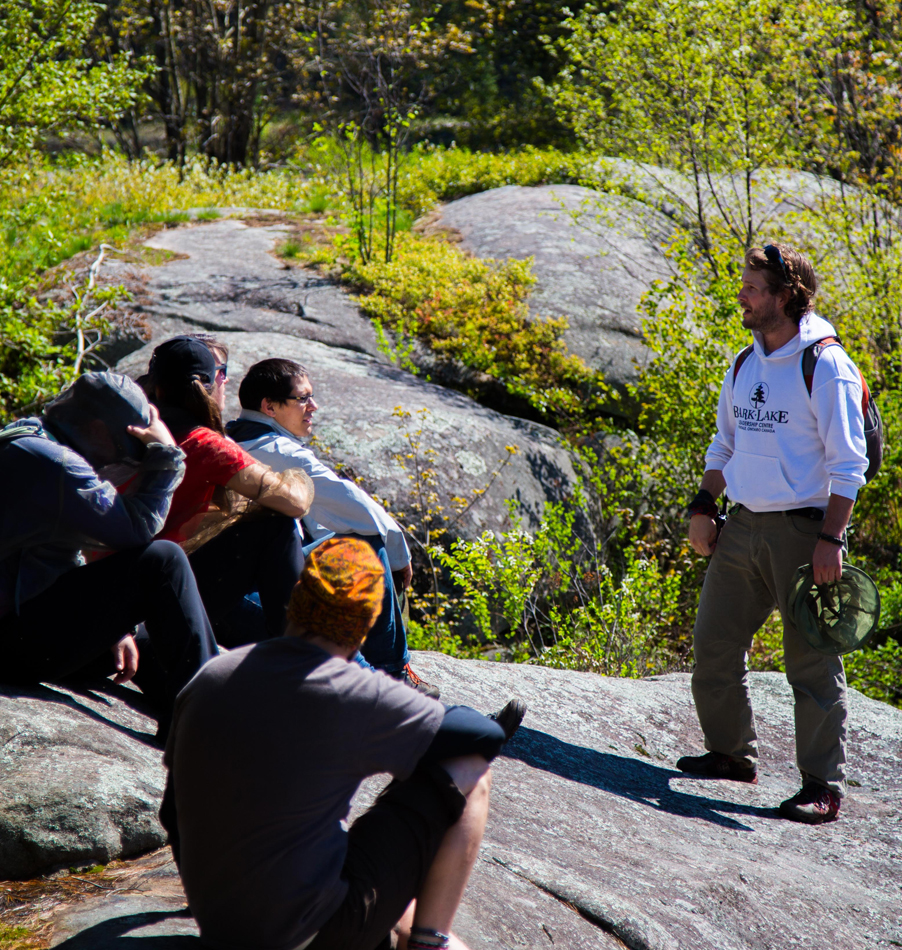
{"points": [[830, 539]]}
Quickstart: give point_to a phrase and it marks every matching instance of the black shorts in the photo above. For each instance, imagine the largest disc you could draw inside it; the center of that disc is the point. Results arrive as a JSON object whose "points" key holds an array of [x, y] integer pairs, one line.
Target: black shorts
{"points": [[390, 850]]}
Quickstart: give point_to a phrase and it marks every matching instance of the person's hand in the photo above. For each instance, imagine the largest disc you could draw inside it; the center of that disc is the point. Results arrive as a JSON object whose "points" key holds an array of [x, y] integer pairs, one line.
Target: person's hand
{"points": [[827, 563], [702, 534], [403, 576], [155, 432], [125, 654]]}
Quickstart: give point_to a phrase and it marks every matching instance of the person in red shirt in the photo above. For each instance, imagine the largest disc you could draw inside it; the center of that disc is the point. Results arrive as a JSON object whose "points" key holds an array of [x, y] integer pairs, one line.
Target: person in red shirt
{"points": [[231, 557]]}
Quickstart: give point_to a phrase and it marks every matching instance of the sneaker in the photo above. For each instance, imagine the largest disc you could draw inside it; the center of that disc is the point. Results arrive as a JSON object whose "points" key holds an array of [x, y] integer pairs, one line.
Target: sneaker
{"points": [[510, 717], [718, 765], [407, 675], [813, 804]]}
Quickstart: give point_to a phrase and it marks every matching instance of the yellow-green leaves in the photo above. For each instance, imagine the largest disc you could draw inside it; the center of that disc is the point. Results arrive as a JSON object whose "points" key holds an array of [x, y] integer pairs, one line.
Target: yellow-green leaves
{"points": [[711, 88], [45, 80]]}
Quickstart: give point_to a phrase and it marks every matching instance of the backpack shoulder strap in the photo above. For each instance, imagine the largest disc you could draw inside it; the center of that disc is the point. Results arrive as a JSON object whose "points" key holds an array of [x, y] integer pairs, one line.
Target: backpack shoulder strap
{"points": [[19, 431], [810, 357], [740, 359]]}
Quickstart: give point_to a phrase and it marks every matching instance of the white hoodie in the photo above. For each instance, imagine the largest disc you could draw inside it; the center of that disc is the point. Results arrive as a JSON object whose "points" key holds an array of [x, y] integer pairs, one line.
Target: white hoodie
{"points": [[780, 448]]}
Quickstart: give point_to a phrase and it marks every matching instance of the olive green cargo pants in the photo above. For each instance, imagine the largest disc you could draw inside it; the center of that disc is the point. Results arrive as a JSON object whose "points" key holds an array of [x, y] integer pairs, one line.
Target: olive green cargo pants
{"points": [[750, 573]]}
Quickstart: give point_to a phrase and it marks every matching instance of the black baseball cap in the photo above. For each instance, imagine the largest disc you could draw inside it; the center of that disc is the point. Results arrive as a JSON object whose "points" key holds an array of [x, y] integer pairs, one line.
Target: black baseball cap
{"points": [[178, 360]]}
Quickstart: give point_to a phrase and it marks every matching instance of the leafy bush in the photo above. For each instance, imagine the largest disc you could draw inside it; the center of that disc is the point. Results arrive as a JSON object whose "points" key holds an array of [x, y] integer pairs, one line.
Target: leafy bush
{"points": [[468, 309], [446, 174], [875, 671], [560, 605]]}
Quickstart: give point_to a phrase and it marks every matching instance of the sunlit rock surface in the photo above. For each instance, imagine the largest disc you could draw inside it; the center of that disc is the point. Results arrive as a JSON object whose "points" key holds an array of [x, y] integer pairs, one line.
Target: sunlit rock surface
{"points": [[594, 256], [230, 284], [80, 777], [596, 841]]}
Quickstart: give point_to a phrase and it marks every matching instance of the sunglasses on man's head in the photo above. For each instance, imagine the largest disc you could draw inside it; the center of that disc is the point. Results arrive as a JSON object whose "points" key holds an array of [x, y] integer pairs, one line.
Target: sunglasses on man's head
{"points": [[773, 255]]}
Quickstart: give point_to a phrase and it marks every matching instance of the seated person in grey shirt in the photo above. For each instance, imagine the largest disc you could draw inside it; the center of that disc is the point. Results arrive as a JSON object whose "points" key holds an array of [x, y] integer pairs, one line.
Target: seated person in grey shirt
{"points": [[277, 408], [269, 745]]}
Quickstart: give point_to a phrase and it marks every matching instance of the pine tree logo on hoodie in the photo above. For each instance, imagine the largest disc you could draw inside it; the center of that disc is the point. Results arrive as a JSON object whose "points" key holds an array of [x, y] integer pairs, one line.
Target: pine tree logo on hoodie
{"points": [[758, 395], [759, 419]]}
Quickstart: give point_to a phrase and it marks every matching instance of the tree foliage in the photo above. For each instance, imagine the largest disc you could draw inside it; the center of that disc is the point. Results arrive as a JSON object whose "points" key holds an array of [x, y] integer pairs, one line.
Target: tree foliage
{"points": [[221, 70], [857, 135], [701, 88], [47, 81], [372, 66]]}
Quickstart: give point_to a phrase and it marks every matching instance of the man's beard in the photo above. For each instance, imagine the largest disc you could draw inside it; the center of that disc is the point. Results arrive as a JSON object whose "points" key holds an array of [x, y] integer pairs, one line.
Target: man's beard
{"points": [[764, 319]]}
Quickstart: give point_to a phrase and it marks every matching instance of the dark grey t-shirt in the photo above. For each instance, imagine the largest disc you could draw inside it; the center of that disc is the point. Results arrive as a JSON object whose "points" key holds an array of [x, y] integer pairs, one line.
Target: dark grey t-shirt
{"points": [[268, 745]]}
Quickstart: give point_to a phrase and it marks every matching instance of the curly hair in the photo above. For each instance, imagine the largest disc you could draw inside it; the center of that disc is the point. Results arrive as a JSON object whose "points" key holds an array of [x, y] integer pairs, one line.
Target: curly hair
{"points": [[787, 269]]}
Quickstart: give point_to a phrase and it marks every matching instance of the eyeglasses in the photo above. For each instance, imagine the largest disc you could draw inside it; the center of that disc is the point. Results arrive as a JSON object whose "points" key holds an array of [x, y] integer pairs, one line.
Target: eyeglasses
{"points": [[302, 401], [773, 255], [222, 372]]}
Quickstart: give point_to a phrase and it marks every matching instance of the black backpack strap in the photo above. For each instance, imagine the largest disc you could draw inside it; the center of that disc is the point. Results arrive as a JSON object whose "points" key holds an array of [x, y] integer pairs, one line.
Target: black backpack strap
{"points": [[811, 355], [743, 356]]}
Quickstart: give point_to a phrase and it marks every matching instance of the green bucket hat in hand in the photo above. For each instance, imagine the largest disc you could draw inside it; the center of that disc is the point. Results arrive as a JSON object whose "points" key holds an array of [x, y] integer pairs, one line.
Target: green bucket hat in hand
{"points": [[835, 618]]}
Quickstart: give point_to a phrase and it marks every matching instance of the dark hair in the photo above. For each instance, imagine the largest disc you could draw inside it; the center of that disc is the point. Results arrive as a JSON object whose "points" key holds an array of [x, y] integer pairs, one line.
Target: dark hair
{"points": [[269, 379], [180, 376], [786, 269]]}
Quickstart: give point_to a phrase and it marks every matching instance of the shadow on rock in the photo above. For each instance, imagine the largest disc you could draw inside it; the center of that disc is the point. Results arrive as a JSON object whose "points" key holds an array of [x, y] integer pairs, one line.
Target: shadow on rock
{"points": [[638, 781], [101, 692], [114, 934]]}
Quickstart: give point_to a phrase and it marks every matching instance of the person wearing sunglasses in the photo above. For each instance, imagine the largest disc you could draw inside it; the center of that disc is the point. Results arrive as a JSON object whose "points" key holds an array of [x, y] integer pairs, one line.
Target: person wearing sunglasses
{"points": [[278, 405], [235, 548], [790, 454]]}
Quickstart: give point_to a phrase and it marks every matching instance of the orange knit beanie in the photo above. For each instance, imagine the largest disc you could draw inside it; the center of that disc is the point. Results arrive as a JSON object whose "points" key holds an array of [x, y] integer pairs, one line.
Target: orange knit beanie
{"points": [[339, 594]]}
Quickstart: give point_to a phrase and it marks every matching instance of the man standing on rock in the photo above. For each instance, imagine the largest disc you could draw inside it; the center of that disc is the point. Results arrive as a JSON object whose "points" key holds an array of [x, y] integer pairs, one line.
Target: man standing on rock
{"points": [[791, 455], [277, 408], [268, 747]]}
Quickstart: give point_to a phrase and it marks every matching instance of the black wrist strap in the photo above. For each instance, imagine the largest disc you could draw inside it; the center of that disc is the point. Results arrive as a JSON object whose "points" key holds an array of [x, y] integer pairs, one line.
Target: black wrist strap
{"points": [[702, 504], [832, 539]]}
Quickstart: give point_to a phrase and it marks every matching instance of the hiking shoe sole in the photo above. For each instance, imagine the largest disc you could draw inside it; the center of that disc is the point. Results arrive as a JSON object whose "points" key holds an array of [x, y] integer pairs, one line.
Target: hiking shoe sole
{"points": [[718, 765], [510, 717]]}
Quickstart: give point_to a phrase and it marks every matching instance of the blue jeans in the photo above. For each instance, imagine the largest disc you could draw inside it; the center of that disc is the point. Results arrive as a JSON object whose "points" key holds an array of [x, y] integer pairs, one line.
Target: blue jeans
{"points": [[385, 647]]}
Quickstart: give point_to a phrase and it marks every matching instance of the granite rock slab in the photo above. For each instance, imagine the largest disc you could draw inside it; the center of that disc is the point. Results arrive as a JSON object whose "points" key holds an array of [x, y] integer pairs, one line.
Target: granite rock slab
{"points": [[82, 777], [595, 840], [594, 256]]}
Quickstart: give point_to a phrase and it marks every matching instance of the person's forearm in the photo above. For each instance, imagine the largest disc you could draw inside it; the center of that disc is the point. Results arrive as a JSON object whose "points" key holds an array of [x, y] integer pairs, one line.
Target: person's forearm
{"points": [[839, 511], [826, 560], [292, 495], [95, 510], [289, 492], [713, 482]]}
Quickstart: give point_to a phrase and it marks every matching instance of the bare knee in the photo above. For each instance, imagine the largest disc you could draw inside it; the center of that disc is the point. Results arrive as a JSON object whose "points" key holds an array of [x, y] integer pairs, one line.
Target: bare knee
{"points": [[467, 772], [482, 788]]}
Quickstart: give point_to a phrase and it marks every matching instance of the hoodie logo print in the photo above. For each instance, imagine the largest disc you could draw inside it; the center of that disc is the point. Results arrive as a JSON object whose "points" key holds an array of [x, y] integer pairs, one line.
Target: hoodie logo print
{"points": [[758, 395], [757, 418]]}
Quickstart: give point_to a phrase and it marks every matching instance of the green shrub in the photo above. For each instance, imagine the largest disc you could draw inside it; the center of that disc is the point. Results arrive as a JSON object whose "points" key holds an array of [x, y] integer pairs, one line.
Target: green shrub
{"points": [[559, 604], [468, 309]]}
